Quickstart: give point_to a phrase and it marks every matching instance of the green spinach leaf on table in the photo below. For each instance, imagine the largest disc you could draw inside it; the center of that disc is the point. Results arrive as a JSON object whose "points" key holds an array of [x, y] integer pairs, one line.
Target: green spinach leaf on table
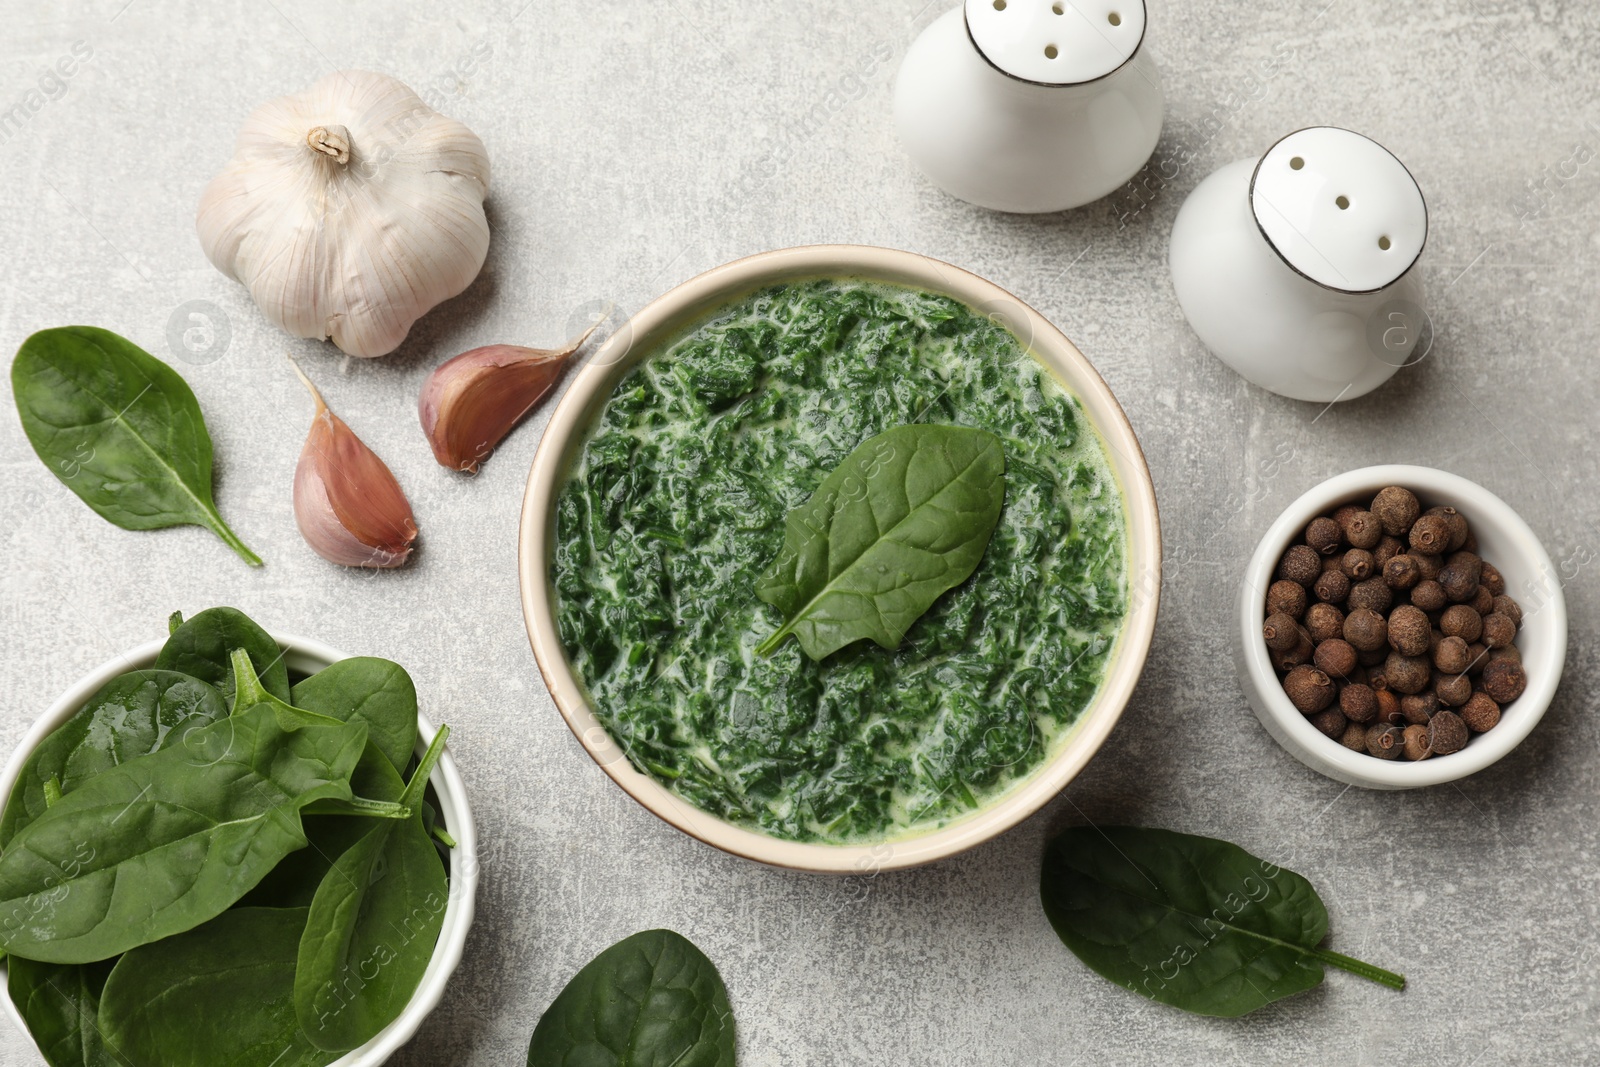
{"points": [[202, 648], [649, 1000], [376, 691], [119, 428], [373, 926], [61, 1005], [132, 715], [905, 518], [220, 995], [167, 841], [1193, 922]]}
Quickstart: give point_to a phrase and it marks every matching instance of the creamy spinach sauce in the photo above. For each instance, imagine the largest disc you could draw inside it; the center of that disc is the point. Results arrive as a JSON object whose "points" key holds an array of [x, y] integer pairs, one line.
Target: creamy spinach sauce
{"points": [[675, 509]]}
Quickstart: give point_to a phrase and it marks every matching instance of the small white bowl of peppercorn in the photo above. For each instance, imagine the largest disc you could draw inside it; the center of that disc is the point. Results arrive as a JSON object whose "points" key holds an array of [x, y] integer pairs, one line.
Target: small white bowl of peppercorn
{"points": [[1400, 627]]}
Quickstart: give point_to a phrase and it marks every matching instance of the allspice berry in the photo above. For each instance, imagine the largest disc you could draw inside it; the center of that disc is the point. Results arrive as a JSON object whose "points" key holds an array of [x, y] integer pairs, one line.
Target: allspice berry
{"points": [[1453, 690], [1366, 630], [1387, 548], [1335, 658], [1354, 737], [1389, 712], [1460, 577], [1330, 721], [1357, 564], [1414, 742], [1324, 535], [1309, 689], [1430, 535], [1493, 580], [1332, 587], [1429, 565], [1504, 680], [1401, 573], [1358, 702], [1498, 631], [1300, 653], [1371, 594], [1419, 707], [1286, 597], [1409, 631], [1324, 622], [1300, 564], [1360, 528], [1396, 510], [1459, 620], [1510, 652], [1428, 595], [1280, 632], [1482, 601], [1457, 525], [1385, 742], [1480, 713], [1478, 657], [1504, 605], [1451, 657], [1447, 733], [1407, 674]]}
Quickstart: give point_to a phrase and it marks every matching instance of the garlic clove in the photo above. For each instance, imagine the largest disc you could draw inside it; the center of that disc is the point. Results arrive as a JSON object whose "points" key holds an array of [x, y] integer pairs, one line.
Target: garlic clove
{"points": [[347, 503], [469, 403]]}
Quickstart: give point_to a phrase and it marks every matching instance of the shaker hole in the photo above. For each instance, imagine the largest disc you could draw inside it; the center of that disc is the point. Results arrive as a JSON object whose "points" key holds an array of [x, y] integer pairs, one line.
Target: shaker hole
{"points": [[1114, 18], [1060, 9], [999, 5], [1296, 163], [1051, 51], [1343, 202], [1385, 244]]}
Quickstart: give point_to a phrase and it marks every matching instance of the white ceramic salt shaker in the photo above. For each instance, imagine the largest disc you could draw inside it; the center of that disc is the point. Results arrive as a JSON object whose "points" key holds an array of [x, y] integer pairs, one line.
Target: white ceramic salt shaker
{"points": [[1031, 105], [1297, 270]]}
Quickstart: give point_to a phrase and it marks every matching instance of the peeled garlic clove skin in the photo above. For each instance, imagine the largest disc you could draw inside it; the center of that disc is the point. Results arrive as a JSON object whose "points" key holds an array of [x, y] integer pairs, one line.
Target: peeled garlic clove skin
{"points": [[471, 402], [347, 503], [349, 210]]}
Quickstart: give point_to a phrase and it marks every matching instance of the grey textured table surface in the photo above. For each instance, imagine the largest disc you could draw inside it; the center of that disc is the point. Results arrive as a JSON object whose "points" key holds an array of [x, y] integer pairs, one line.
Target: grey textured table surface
{"points": [[637, 143]]}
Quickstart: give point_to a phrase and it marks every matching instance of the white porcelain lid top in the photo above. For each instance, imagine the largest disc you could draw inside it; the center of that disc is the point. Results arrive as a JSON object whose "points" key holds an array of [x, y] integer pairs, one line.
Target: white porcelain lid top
{"points": [[1340, 209], [1056, 42]]}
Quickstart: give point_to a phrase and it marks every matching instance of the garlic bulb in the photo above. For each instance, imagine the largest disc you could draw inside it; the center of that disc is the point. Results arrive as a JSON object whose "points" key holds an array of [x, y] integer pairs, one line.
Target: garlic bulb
{"points": [[349, 210], [470, 402], [347, 503]]}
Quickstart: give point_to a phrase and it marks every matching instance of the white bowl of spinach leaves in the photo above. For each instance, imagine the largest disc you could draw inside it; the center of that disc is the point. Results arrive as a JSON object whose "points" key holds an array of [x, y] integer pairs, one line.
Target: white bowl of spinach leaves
{"points": [[224, 847]]}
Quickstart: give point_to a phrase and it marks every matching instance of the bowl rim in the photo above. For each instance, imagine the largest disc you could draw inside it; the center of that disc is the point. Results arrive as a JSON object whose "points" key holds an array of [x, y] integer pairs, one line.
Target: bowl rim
{"points": [[308, 655], [690, 302], [1292, 730]]}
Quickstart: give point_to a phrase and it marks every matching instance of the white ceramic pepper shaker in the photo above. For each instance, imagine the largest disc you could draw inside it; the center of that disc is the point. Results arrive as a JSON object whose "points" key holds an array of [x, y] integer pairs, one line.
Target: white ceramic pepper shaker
{"points": [[1297, 270], [1031, 105]]}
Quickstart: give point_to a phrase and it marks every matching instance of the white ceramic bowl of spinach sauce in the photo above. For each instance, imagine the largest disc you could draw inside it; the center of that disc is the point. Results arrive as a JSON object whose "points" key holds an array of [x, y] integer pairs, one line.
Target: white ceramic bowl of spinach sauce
{"points": [[1062, 414], [305, 657]]}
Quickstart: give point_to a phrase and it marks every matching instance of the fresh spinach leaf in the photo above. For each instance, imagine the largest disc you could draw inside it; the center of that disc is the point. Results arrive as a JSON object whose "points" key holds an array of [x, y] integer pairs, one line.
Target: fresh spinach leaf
{"points": [[1193, 922], [294, 881], [120, 428], [905, 518], [376, 691], [202, 647], [60, 1004], [375, 784], [649, 1000], [221, 993], [130, 716], [167, 841], [373, 926]]}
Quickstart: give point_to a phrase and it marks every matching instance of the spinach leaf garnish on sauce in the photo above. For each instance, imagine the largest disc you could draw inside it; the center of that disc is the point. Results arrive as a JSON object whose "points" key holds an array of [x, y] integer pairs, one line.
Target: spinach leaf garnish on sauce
{"points": [[1193, 922], [649, 1000], [905, 518], [120, 428]]}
